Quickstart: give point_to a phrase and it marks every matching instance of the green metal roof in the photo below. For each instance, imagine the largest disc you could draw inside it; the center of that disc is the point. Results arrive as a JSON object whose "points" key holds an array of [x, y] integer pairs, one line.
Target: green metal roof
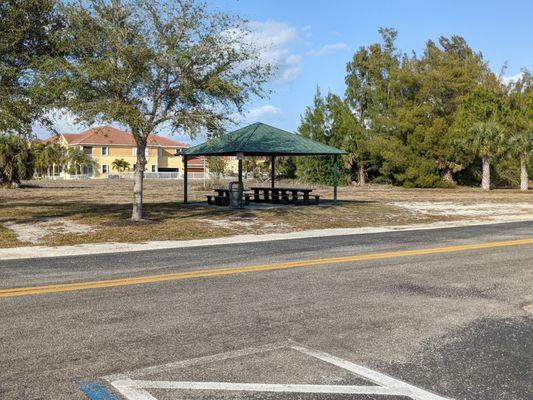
{"points": [[260, 140]]}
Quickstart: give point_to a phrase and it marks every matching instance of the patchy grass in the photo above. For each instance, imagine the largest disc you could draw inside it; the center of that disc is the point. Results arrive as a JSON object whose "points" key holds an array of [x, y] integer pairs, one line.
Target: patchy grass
{"points": [[105, 205], [8, 238]]}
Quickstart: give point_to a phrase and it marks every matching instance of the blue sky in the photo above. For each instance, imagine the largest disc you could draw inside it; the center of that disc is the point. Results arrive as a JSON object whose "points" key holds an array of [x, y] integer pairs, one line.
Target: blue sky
{"points": [[311, 41]]}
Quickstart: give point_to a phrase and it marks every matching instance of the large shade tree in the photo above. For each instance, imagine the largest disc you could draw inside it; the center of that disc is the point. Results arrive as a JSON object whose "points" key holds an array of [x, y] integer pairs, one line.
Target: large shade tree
{"points": [[150, 64], [28, 29]]}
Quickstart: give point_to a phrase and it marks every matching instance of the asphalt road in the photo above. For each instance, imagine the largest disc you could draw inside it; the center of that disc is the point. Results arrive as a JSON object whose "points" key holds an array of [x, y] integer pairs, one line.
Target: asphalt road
{"points": [[449, 323]]}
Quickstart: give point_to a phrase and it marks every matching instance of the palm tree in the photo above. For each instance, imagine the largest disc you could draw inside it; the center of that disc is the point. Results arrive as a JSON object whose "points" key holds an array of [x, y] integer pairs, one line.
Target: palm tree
{"points": [[521, 147], [39, 160], [49, 155], [16, 160], [121, 165], [77, 159], [486, 140]]}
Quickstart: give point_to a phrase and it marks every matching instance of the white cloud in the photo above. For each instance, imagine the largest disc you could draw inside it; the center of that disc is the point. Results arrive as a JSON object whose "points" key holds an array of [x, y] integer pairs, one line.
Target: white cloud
{"points": [[275, 38], [328, 48], [506, 80], [263, 113]]}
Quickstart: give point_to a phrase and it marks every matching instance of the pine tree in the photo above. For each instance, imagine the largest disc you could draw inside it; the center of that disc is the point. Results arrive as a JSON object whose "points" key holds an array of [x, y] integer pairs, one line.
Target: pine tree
{"points": [[316, 125]]}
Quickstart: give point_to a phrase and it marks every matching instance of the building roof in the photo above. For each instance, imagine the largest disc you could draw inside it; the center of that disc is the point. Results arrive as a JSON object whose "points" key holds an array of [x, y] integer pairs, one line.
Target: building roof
{"points": [[108, 135], [261, 140]]}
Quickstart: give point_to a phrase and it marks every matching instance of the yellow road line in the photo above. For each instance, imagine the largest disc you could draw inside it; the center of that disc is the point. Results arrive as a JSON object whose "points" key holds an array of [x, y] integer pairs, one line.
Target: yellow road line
{"points": [[67, 287]]}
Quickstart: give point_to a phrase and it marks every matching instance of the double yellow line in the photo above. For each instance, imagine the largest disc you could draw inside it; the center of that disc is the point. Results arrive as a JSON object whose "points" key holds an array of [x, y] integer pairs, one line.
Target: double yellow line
{"points": [[205, 273]]}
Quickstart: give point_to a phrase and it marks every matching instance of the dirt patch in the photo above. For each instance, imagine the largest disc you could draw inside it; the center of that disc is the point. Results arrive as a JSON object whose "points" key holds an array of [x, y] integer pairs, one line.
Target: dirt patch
{"points": [[467, 210], [34, 231]]}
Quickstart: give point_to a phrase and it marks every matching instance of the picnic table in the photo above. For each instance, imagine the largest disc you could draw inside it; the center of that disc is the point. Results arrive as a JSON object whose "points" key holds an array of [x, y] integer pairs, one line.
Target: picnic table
{"points": [[277, 195], [281, 195], [222, 197], [222, 192]]}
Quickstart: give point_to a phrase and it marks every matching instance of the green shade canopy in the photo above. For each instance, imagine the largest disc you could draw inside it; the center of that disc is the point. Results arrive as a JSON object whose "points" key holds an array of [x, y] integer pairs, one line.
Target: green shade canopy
{"points": [[261, 140]]}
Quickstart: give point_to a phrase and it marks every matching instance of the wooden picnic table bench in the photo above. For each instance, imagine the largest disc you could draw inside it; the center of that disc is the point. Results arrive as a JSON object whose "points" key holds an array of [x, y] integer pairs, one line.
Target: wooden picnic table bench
{"points": [[278, 195], [281, 195], [222, 197], [222, 192]]}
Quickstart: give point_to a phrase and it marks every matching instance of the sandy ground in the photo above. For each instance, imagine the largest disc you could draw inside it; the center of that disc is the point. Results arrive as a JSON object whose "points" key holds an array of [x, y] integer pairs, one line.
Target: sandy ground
{"points": [[57, 213], [33, 232], [468, 210]]}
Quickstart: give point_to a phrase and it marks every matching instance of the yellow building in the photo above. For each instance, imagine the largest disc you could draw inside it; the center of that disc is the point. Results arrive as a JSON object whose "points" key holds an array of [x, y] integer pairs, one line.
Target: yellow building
{"points": [[106, 144]]}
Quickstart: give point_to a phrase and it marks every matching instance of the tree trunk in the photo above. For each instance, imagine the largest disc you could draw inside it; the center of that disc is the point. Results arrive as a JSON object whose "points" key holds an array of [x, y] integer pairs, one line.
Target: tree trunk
{"points": [[361, 174], [138, 179], [524, 178], [485, 179]]}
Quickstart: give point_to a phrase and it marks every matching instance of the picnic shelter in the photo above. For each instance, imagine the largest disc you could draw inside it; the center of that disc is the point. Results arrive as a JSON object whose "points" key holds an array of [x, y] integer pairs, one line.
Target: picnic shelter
{"points": [[261, 140]]}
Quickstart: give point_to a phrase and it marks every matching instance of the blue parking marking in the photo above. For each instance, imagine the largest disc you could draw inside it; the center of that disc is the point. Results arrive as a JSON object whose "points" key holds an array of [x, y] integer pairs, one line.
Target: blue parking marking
{"points": [[96, 391]]}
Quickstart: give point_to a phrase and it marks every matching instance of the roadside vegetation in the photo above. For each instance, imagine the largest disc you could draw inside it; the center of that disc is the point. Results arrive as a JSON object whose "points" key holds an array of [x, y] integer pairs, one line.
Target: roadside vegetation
{"points": [[56, 212], [427, 120]]}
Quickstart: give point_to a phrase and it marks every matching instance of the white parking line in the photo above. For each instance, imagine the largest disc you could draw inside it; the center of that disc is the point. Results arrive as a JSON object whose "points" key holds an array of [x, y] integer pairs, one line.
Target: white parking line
{"points": [[385, 385], [131, 390], [373, 376], [257, 387], [199, 360]]}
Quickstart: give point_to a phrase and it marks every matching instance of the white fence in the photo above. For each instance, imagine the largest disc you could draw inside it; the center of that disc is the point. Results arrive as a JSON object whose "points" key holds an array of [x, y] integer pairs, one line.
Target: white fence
{"points": [[147, 175], [171, 175], [192, 176]]}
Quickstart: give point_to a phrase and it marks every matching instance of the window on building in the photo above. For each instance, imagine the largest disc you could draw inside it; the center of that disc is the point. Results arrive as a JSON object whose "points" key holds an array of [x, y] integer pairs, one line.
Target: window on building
{"points": [[88, 170], [154, 168], [134, 152], [160, 152], [105, 169], [105, 150]]}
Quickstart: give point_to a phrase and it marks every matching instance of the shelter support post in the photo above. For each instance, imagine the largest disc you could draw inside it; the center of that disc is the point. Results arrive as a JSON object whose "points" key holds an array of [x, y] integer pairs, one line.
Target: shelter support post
{"points": [[273, 171], [241, 204], [335, 179], [185, 199]]}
